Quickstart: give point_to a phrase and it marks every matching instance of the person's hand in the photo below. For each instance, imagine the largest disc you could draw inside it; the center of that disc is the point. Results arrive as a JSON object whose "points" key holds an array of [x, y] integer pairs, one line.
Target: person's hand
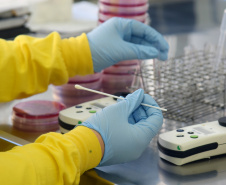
{"points": [[126, 127], [120, 39]]}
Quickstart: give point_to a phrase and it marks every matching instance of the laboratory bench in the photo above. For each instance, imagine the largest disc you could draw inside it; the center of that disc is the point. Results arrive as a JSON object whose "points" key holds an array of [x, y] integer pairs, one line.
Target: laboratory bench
{"points": [[183, 23]]}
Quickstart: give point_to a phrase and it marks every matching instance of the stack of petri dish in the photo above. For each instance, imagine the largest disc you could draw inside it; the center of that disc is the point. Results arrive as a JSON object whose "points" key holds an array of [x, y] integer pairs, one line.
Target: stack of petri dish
{"points": [[68, 95], [130, 9], [118, 78], [37, 115]]}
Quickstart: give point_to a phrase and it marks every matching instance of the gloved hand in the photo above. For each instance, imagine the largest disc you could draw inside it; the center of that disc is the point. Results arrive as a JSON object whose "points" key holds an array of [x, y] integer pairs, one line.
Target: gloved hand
{"points": [[120, 39], [126, 127]]}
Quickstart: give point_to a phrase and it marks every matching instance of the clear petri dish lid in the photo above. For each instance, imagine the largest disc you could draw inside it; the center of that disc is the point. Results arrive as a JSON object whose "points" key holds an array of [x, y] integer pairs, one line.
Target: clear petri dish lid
{"points": [[38, 109], [125, 2]]}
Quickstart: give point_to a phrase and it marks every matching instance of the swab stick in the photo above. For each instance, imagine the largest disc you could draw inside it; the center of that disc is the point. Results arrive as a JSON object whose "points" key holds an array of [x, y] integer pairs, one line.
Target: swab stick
{"points": [[113, 96]]}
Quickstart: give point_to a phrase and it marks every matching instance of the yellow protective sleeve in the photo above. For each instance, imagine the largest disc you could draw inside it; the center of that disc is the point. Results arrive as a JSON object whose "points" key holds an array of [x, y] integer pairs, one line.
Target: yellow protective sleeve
{"points": [[28, 65], [91, 177], [54, 159]]}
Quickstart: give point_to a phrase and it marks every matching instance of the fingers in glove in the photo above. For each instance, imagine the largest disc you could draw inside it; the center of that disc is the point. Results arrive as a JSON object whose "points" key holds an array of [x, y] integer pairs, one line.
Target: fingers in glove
{"points": [[147, 33], [139, 114], [154, 120], [147, 52], [134, 100]]}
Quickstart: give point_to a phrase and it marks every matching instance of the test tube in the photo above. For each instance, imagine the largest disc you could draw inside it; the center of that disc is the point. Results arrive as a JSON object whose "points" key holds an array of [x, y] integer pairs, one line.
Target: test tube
{"points": [[221, 41]]}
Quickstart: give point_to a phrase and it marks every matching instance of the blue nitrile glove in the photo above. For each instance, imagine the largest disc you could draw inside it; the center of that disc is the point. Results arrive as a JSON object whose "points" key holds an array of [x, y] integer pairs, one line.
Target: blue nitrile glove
{"points": [[120, 39], [126, 127]]}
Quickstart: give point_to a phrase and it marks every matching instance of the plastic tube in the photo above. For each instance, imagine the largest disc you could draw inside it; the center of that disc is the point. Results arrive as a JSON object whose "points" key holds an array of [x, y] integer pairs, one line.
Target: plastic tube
{"points": [[221, 41]]}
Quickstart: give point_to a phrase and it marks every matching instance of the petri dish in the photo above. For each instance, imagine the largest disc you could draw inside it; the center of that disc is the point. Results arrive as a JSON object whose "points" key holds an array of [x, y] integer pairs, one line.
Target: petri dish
{"points": [[85, 79], [119, 9], [118, 82], [128, 62], [125, 2], [68, 90], [105, 16], [71, 101], [121, 69], [37, 115]]}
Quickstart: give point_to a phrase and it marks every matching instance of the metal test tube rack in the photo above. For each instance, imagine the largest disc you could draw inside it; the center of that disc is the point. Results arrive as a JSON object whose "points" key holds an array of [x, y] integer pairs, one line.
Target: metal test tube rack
{"points": [[189, 87]]}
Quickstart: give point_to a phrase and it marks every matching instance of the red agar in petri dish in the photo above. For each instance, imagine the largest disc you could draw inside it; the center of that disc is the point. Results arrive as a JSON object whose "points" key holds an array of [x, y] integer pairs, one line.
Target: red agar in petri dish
{"points": [[37, 115]]}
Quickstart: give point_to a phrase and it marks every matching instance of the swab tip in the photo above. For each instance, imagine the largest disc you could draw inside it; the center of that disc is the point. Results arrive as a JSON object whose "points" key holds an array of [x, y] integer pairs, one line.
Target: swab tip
{"points": [[78, 86]]}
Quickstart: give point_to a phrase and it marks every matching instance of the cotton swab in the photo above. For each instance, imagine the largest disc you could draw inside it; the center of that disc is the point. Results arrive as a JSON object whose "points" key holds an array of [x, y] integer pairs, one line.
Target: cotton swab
{"points": [[113, 96]]}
